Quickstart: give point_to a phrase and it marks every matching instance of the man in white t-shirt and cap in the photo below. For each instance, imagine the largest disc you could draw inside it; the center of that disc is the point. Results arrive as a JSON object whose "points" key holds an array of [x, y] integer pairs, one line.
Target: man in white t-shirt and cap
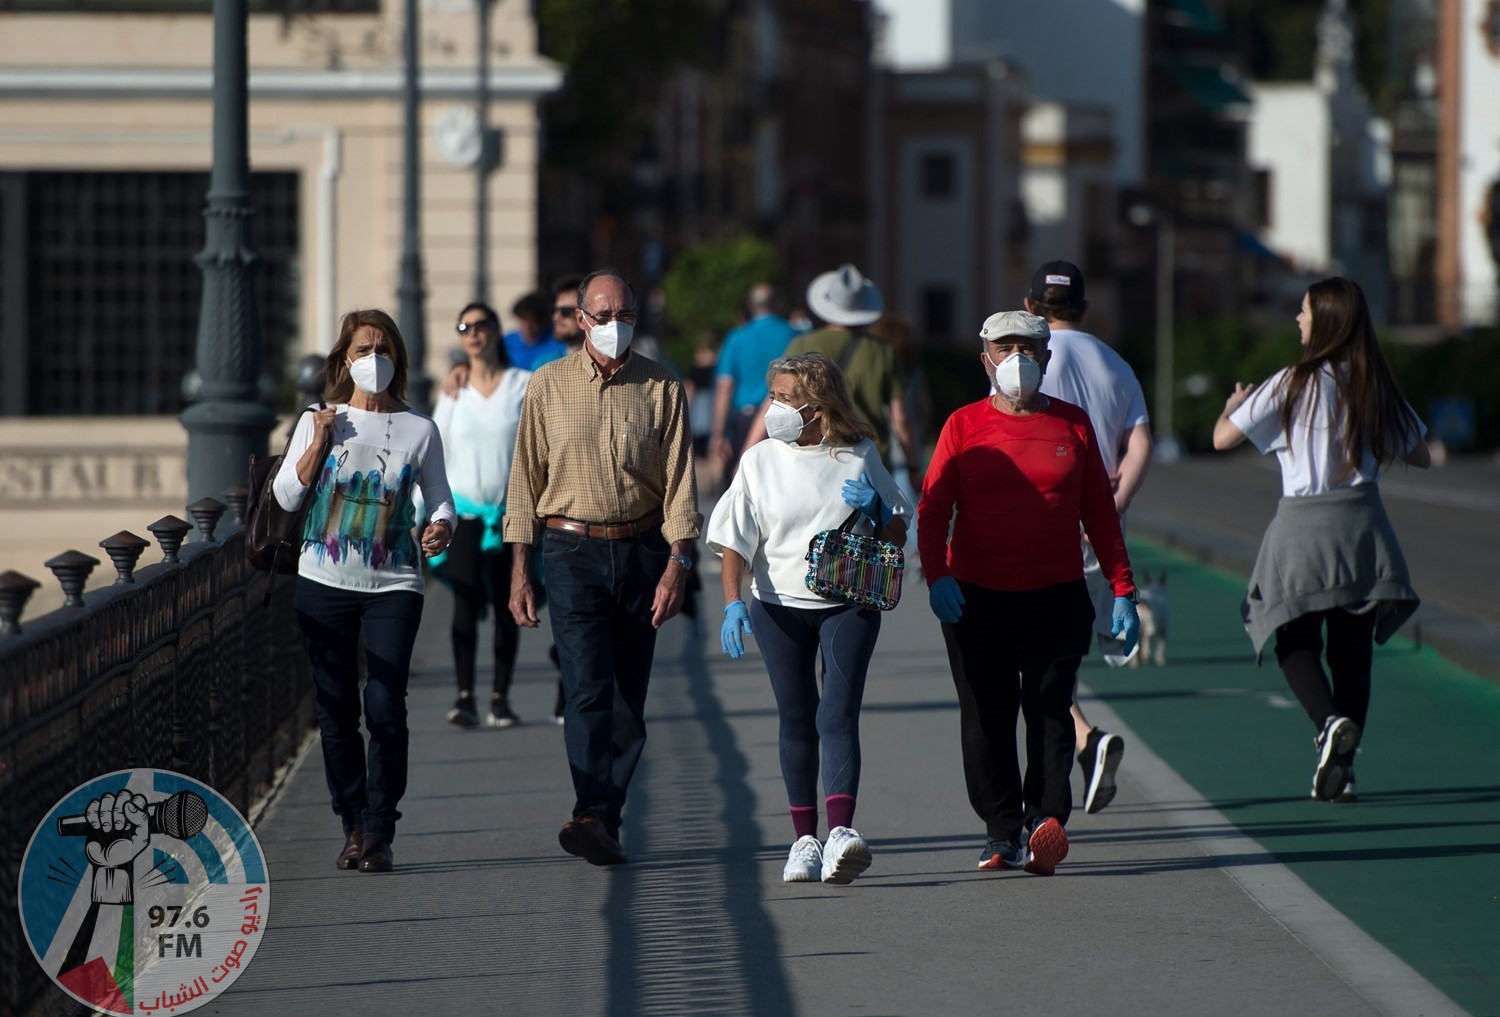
{"points": [[1087, 373]]}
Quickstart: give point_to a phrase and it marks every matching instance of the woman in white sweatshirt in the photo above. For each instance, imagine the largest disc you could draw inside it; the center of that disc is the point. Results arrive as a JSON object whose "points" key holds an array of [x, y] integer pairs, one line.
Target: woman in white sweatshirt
{"points": [[818, 462], [478, 423], [364, 460]]}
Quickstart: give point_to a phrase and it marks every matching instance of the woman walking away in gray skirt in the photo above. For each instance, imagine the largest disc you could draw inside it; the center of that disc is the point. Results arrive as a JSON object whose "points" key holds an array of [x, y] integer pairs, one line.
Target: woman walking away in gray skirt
{"points": [[1329, 560]]}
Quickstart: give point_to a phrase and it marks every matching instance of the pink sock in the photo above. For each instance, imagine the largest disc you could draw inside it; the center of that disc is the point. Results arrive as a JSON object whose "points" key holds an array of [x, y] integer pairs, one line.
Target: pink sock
{"points": [[840, 810], [804, 820]]}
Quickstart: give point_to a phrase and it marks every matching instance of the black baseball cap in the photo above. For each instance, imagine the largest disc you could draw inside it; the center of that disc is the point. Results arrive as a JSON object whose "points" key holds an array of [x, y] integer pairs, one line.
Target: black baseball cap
{"points": [[1055, 275]]}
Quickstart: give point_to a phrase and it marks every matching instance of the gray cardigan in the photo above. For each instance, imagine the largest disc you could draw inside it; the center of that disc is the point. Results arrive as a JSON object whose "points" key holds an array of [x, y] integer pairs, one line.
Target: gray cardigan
{"points": [[1324, 551]]}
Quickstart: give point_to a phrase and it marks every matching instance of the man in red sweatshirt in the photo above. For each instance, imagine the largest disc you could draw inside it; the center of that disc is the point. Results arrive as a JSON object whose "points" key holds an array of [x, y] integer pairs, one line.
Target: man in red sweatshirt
{"points": [[1021, 470]]}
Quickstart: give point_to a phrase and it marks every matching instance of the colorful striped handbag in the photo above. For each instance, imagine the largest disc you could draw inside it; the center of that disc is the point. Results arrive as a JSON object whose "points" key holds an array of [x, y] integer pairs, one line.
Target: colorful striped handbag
{"points": [[856, 569]]}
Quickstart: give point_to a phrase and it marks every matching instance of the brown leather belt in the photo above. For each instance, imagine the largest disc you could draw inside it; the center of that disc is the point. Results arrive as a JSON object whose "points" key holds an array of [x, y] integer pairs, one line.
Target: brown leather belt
{"points": [[606, 531]]}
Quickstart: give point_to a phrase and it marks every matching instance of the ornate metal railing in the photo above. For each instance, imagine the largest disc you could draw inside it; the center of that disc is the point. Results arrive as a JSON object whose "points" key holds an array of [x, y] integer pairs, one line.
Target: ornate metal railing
{"points": [[184, 665]]}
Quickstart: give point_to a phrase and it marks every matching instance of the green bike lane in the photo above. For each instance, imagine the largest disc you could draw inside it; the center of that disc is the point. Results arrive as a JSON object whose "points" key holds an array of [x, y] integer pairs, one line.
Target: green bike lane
{"points": [[1415, 863]]}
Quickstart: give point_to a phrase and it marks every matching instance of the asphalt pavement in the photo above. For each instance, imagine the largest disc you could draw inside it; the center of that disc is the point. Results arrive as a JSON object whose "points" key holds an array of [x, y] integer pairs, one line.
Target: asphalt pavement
{"points": [[1211, 885]]}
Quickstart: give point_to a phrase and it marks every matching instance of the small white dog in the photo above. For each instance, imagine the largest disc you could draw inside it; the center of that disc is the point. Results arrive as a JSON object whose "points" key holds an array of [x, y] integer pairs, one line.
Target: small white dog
{"points": [[1156, 615]]}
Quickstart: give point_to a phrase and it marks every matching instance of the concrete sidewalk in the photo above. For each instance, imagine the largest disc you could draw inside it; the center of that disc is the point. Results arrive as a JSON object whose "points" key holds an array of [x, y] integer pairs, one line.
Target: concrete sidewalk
{"points": [[485, 913]]}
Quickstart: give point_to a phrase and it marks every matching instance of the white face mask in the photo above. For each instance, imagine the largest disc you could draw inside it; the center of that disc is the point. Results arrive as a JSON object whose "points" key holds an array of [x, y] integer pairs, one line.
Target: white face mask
{"points": [[373, 373], [784, 422], [1017, 377], [612, 338]]}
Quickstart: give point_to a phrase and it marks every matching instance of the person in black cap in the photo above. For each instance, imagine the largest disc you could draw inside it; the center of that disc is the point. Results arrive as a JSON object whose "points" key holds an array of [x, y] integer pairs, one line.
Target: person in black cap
{"points": [[1087, 373]]}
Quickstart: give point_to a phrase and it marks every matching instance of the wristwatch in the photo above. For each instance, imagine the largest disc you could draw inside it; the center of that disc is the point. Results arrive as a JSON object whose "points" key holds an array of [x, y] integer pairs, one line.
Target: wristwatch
{"points": [[1134, 596], [683, 560]]}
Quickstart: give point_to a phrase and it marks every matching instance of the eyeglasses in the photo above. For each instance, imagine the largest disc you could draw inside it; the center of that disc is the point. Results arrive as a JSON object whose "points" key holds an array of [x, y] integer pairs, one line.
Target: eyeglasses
{"points": [[623, 317], [564, 309], [464, 327]]}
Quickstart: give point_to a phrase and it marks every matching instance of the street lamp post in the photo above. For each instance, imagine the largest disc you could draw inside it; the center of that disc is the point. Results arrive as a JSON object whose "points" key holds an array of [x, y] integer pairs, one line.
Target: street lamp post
{"points": [[482, 167], [1167, 447], [411, 293], [228, 422]]}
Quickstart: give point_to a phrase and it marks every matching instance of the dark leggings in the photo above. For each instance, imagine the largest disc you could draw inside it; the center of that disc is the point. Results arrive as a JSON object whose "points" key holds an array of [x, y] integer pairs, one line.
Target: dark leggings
{"points": [[480, 578], [1351, 647], [790, 640]]}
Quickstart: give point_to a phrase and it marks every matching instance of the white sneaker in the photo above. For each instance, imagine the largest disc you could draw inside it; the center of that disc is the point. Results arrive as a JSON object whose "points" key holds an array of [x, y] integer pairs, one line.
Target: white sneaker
{"points": [[804, 863], [845, 855]]}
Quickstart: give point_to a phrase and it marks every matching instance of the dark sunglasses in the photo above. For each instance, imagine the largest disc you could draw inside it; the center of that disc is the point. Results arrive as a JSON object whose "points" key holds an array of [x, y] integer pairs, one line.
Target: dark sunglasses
{"points": [[465, 326], [564, 309]]}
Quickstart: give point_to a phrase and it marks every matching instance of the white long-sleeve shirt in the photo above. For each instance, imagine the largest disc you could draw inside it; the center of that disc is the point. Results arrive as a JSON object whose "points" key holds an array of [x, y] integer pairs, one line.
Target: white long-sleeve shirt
{"points": [[479, 437], [360, 531], [781, 497]]}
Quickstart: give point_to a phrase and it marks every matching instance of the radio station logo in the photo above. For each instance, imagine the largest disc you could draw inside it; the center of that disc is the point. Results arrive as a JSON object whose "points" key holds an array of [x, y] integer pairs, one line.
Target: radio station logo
{"points": [[144, 891]]}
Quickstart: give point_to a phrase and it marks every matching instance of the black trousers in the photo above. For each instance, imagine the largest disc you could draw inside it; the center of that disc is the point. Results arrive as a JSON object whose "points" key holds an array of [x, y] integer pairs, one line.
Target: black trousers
{"points": [[1018, 651], [1351, 651], [480, 581]]}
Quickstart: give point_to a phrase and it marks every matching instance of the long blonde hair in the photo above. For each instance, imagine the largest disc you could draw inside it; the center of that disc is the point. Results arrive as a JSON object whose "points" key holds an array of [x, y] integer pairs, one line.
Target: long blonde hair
{"points": [[822, 384]]}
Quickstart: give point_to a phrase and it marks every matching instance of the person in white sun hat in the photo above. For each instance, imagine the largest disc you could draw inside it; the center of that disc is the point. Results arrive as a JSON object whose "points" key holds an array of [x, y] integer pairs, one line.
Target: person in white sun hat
{"points": [[850, 303], [1022, 471]]}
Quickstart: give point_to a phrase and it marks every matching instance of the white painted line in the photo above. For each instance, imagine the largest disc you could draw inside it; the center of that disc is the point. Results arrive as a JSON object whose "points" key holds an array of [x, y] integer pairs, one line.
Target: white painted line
{"points": [[1388, 983]]}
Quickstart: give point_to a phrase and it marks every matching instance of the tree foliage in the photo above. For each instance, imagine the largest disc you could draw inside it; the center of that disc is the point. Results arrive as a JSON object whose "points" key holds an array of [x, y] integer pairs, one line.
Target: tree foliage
{"points": [[618, 53], [707, 285]]}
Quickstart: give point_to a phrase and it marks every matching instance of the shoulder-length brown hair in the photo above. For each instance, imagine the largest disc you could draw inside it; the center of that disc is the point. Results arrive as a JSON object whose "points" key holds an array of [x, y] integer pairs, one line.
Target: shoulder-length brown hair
{"points": [[1375, 415], [338, 386], [822, 384]]}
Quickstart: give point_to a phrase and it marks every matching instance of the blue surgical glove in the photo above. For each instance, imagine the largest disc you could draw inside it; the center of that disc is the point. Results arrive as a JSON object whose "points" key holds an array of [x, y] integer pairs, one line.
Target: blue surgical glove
{"points": [[946, 599], [1126, 623], [861, 494], [736, 616]]}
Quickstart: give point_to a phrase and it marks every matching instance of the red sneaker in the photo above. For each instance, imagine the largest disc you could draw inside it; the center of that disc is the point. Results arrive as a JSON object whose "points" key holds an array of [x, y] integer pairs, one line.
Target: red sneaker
{"points": [[1049, 845]]}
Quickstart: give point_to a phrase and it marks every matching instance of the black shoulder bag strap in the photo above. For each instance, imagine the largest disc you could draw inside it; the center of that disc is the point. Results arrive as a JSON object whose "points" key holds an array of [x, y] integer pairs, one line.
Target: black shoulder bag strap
{"points": [[848, 354], [301, 509]]}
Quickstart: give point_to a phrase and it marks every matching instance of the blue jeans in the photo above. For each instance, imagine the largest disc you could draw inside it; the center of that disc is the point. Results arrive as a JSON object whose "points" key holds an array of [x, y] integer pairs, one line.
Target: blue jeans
{"points": [[365, 789], [599, 594], [790, 640]]}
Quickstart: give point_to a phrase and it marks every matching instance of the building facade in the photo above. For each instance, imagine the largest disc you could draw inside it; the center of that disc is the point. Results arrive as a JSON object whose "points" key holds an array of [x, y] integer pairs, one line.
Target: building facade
{"points": [[105, 122], [105, 130], [1324, 163], [949, 232], [1476, 162]]}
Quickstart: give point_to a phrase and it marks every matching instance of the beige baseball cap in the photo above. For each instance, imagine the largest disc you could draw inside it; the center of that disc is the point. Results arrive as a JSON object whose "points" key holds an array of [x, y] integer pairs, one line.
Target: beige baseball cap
{"points": [[1015, 323]]}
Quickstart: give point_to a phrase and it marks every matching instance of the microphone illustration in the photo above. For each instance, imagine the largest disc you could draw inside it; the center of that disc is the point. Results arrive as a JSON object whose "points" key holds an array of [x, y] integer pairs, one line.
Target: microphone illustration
{"points": [[179, 816]]}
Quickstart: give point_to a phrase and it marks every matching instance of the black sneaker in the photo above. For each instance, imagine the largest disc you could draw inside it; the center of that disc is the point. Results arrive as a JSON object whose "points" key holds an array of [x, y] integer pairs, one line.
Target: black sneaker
{"points": [[1003, 854], [501, 715], [464, 713], [1100, 759], [1335, 744]]}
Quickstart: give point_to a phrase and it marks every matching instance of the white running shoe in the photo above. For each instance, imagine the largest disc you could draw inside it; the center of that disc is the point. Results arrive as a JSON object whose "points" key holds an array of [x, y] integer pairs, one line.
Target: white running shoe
{"points": [[845, 855], [804, 863]]}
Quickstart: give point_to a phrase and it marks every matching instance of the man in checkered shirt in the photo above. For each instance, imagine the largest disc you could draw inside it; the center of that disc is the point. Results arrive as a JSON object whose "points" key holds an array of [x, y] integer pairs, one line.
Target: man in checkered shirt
{"points": [[603, 476]]}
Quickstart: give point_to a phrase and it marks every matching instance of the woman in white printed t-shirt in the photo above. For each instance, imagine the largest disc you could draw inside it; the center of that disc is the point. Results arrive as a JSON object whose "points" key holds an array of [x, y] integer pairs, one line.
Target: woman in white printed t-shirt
{"points": [[363, 460], [817, 462], [478, 424], [1330, 558]]}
